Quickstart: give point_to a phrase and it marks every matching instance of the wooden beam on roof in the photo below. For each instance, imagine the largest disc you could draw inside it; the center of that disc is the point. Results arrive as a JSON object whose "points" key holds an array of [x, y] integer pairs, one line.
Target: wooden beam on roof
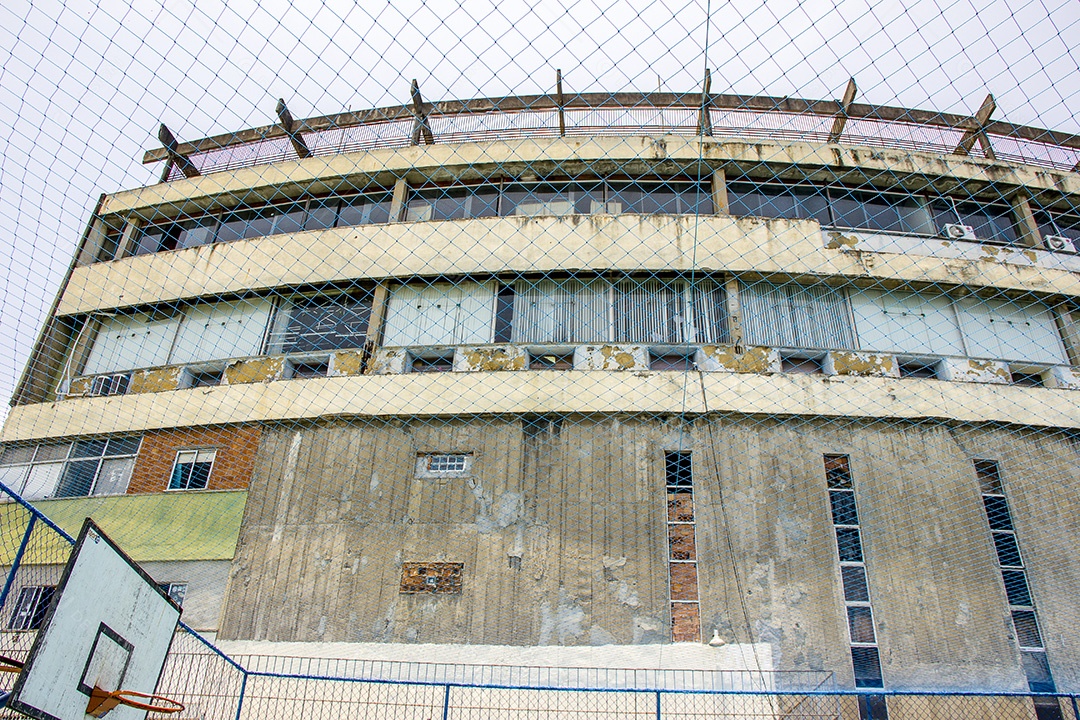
{"points": [[704, 119], [288, 124], [420, 118], [979, 131], [561, 102], [845, 108], [181, 161]]}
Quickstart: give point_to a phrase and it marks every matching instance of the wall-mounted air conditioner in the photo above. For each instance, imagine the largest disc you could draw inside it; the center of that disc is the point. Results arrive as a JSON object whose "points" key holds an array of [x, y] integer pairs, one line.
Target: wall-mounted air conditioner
{"points": [[110, 384], [1060, 243], [959, 232]]}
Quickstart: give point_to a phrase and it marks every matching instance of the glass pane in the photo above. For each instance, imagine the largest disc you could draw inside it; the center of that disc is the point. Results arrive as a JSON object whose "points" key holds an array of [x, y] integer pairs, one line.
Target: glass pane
{"points": [[867, 666], [364, 210], [843, 507], [855, 589], [327, 324], [989, 476], [1007, 550], [997, 512], [77, 479], [837, 472], [15, 455], [89, 448], [1016, 587], [1027, 629], [1037, 670], [193, 233], [13, 476], [114, 476], [849, 545], [322, 214], [52, 451], [200, 474], [123, 446], [861, 624], [41, 481]]}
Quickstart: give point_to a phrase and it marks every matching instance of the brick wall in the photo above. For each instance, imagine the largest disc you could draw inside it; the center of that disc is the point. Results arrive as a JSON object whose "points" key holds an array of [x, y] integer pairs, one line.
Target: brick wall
{"points": [[235, 458]]}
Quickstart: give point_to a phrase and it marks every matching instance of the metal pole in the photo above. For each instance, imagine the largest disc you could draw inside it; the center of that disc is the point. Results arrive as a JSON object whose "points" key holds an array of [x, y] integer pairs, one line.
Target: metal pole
{"points": [[657, 705], [18, 560], [243, 689], [446, 704]]}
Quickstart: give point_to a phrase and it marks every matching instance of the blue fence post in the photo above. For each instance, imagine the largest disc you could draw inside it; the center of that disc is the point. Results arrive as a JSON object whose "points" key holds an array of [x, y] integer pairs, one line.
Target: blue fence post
{"points": [[18, 560], [446, 704], [657, 705], [243, 689], [1076, 713]]}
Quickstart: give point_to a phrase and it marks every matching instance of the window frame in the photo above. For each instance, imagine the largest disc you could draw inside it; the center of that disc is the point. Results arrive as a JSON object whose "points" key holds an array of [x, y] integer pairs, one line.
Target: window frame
{"points": [[196, 451]]}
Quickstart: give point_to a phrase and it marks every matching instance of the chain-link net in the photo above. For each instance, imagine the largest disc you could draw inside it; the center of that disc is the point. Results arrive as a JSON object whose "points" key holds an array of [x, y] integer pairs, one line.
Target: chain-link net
{"points": [[605, 359]]}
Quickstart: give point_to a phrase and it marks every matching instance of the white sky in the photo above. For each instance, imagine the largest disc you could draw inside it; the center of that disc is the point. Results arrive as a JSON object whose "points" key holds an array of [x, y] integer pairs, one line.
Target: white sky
{"points": [[83, 86]]}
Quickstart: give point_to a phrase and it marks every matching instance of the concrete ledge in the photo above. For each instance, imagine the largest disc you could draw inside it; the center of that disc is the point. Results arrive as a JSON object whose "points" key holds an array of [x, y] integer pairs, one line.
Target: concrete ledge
{"points": [[542, 391]]}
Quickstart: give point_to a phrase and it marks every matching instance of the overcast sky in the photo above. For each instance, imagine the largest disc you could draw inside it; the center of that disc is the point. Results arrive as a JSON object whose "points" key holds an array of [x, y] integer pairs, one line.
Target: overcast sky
{"points": [[84, 85]]}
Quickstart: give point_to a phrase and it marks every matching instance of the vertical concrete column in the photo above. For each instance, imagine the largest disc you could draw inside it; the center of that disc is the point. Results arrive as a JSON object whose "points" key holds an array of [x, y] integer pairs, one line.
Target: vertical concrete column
{"points": [[1027, 230], [375, 323], [397, 202], [735, 329], [719, 192], [1068, 323]]}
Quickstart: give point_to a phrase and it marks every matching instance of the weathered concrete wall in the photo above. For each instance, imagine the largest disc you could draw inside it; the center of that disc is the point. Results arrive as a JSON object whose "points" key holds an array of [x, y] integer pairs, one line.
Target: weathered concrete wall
{"points": [[561, 528]]}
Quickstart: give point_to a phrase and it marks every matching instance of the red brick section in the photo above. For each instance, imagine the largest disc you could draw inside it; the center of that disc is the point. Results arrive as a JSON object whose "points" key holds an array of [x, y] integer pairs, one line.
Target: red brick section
{"points": [[431, 577], [233, 464], [682, 576]]}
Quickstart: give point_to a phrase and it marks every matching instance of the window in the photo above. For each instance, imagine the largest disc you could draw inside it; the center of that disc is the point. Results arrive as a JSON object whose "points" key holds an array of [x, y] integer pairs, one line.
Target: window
{"points": [[204, 378], [801, 364], [453, 203], [439, 465], [774, 200], [1014, 576], [992, 222], [670, 311], [191, 469], [860, 616], [672, 360], [1054, 222], [440, 314], [309, 368], [899, 321], [918, 368], [31, 606], [795, 316], [432, 361], [322, 322], [175, 591], [541, 360], [1010, 330], [682, 547], [70, 469], [1026, 376], [562, 311]]}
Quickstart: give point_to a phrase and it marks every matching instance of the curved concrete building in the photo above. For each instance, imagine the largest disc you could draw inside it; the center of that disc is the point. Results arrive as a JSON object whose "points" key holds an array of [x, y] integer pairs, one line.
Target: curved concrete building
{"points": [[591, 381]]}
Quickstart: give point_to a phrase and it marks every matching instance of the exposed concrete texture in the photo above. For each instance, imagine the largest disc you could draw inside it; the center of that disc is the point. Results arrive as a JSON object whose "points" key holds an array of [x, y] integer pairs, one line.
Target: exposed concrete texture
{"points": [[156, 380], [79, 386], [731, 358], [389, 361], [611, 357], [975, 371], [640, 243], [206, 582], [859, 364], [491, 358], [429, 394], [1064, 377], [345, 363], [255, 370]]}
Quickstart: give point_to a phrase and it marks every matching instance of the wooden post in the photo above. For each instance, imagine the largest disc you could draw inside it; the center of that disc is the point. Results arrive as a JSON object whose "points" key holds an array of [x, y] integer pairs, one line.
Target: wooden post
{"points": [[841, 117], [168, 140], [420, 118], [704, 119], [560, 101], [719, 192], [977, 133], [288, 124]]}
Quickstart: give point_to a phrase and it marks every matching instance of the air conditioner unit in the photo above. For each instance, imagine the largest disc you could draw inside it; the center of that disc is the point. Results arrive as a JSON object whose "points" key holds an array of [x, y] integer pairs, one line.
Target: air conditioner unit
{"points": [[110, 384], [1060, 243], [959, 232]]}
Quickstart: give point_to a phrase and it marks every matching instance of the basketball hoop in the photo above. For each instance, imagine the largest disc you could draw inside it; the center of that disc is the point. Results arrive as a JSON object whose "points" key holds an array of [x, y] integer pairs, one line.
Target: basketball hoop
{"points": [[102, 701]]}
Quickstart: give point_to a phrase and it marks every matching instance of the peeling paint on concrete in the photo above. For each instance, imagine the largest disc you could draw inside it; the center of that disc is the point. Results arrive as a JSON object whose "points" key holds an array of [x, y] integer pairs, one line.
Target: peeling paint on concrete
{"points": [[389, 361], [561, 624], [264, 369], [491, 359], [839, 241], [1063, 377], [346, 363], [156, 380], [975, 371], [859, 364], [730, 358], [611, 357]]}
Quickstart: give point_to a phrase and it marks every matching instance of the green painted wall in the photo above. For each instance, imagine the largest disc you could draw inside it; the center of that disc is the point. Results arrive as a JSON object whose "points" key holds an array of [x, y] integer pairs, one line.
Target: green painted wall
{"points": [[154, 526]]}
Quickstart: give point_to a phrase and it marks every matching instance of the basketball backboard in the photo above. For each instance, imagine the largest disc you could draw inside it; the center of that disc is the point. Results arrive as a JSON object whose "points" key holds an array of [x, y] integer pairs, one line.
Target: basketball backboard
{"points": [[110, 627]]}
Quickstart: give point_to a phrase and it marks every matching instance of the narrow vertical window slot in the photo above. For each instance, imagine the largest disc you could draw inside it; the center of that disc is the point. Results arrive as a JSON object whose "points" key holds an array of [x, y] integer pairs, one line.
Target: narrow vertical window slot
{"points": [[682, 548]]}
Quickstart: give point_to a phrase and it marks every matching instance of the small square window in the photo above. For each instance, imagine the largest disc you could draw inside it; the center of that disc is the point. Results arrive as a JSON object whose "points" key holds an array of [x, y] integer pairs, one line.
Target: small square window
{"points": [[989, 477], [309, 369], [434, 362], [678, 361], [801, 364], [914, 368], [439, 465], [175, 590], [551, 361], [31, 607], [191, 470]]}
